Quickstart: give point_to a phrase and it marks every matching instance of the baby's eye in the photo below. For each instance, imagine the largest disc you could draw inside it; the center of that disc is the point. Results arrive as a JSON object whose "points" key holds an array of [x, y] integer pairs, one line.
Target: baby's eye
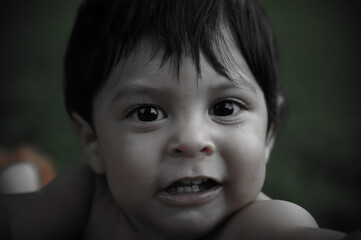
{"points": [[146, 113], [226, 108]]}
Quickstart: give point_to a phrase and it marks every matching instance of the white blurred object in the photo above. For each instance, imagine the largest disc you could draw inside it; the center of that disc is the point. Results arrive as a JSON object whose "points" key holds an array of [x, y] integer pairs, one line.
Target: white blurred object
{"points": [[19, 177]]}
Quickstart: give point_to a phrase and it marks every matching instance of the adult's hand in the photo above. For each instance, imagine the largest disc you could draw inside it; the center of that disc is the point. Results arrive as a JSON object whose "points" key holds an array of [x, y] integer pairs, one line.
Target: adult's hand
{"points": [[59, 211]]}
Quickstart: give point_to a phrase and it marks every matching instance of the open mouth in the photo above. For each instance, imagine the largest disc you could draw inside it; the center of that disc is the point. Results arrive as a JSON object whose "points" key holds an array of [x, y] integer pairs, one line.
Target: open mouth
{"points": [[190, 186]]}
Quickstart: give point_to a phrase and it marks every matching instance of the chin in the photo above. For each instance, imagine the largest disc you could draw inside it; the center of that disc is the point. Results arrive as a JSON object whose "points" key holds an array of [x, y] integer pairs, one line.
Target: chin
{"points": [[189, 226]]}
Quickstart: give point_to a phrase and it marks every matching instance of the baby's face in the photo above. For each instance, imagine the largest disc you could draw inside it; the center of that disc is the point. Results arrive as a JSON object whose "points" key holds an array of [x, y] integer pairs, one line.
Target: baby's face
{"points": [[181, 154]]}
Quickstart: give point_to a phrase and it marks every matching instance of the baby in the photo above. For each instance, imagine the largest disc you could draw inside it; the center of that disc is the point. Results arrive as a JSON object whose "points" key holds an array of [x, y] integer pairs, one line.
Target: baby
{"points": [[176, 103]]}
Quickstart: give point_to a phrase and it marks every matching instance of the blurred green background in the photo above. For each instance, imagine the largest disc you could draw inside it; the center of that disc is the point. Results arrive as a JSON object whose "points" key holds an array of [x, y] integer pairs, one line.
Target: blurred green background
{"points": [[316, 160]]}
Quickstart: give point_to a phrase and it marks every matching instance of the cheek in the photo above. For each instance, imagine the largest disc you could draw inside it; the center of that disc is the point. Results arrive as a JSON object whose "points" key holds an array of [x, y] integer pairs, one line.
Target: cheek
{"points": [[129, 153], [244, 148], [246, 163], [130, 167]]}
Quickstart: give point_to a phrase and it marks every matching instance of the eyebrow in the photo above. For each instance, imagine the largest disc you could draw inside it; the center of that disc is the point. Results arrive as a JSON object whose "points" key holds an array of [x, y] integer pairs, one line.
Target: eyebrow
{"points": [[131, 90], [135, 90], [235, 82]]}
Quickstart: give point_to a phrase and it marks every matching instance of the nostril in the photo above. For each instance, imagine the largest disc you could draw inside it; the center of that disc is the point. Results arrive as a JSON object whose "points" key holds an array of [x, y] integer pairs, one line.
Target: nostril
{"points": [[207, 150], [178, 151], [191, 150]]}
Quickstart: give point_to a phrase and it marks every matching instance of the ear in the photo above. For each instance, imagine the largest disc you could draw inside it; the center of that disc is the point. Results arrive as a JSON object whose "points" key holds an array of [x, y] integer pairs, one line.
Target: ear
{"points": [[89, 143], [271, 135], [270, 140]]}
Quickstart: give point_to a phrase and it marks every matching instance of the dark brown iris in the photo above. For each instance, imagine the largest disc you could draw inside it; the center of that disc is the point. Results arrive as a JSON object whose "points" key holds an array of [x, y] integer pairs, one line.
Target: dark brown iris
{"points": [[224, 108], [147, 114]]}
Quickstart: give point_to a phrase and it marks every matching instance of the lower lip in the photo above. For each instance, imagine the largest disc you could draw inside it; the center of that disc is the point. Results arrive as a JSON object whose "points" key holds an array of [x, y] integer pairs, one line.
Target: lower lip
{"points": [[189, 199]]}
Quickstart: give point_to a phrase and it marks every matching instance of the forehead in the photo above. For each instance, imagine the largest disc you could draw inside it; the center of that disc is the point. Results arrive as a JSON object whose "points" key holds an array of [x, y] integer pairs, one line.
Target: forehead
{"points": [[151, 64]]}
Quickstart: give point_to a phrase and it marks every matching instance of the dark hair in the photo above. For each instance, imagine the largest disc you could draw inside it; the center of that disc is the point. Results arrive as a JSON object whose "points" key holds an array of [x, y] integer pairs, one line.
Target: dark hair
{"points": [[106, 31]]}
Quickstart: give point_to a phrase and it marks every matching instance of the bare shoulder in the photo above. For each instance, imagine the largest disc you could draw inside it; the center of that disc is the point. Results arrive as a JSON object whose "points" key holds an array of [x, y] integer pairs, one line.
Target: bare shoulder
{"points": [[277, 213], [274, 219]]}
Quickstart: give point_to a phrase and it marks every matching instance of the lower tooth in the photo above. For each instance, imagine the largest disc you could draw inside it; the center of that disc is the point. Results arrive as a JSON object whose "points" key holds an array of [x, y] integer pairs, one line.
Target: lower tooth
{"points": [[195, 188], [187, 189], [202, 188]]}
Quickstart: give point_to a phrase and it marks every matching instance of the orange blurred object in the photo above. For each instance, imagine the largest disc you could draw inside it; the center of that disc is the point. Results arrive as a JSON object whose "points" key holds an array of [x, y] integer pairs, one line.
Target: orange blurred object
{"points": [[27, 153]]}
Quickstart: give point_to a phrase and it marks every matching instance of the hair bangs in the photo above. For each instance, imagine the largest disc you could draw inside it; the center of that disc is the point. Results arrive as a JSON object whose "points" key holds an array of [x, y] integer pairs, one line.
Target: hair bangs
{"points": [[174, 29], [109, 31]]}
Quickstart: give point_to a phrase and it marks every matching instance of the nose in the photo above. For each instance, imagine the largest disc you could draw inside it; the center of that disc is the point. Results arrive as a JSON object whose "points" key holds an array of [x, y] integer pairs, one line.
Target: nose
{"points": [[191, 141], [191, 150]]}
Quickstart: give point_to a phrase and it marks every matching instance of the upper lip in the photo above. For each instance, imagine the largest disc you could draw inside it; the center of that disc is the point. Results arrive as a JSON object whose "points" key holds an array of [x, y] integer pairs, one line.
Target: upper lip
{"points": [[168, 184]]}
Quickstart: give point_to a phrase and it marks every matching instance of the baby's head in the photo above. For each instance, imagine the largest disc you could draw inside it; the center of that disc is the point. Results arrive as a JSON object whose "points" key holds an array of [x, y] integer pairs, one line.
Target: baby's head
{"points": [[176, 103]]}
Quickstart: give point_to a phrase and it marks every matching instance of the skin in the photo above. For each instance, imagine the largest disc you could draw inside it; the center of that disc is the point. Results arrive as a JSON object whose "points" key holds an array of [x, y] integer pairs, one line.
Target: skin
{"points": [[137, 159], [58, 211], [82, 203], [187, 140], [134, 161]]}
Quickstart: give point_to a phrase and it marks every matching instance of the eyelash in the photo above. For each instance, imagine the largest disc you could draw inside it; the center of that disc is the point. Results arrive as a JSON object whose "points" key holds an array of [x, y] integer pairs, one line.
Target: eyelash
{"points": [[236, 105], [241, 105], [135, 110]]}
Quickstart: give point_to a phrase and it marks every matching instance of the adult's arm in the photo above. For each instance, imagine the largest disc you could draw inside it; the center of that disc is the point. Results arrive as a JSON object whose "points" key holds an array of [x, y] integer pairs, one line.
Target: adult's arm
{"points": [[276, 220], [59, 211]]}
